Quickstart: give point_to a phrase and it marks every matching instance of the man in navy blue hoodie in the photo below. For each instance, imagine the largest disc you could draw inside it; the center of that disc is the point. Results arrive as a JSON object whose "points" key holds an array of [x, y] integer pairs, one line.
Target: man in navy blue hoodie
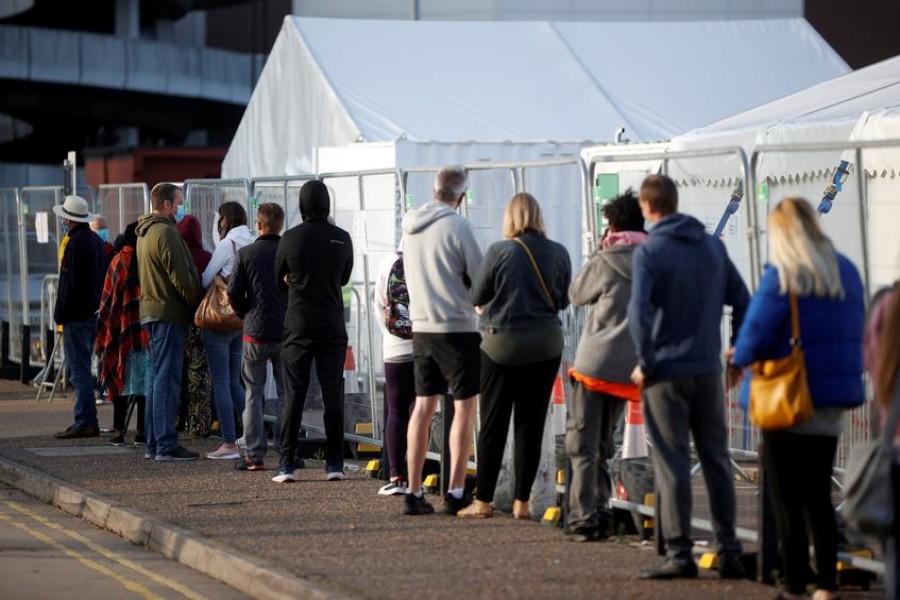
{"points": [[682, 277]]}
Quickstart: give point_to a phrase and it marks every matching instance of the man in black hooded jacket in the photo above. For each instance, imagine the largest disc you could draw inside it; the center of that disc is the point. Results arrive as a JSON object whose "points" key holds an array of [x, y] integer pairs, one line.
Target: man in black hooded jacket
{"points": [[313, 260]]}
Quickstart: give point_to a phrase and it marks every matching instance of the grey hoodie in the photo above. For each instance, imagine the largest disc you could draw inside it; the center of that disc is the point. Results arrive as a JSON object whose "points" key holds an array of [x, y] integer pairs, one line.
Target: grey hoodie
{"points": [[441, 259], [605, 350]]}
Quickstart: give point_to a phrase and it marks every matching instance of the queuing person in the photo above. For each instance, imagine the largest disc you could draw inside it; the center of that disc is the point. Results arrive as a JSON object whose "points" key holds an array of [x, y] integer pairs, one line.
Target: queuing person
{"points": [[681, 279], [798, 460], [195, 404], [98, 226], [122, 343], [190, 231], [601, 375], [224, 349], [170, 293], [78, 298], [256, 297], [882, 358], [313, 260], [391, 303], [519, 292], [441, 259]]}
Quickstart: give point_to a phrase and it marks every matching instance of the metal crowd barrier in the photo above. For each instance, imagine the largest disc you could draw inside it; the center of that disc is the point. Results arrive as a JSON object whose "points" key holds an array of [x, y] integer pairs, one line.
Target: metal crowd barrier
{"points": [[121, 204], [203, 197]]}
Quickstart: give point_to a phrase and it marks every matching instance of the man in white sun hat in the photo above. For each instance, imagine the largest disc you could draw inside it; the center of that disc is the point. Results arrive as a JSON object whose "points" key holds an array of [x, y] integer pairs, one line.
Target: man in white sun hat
{"points": [[77, 301]]}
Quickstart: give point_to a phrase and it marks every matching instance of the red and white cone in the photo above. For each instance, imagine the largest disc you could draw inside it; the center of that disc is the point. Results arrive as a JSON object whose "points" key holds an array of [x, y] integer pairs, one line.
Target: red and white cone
{"points": [[351, 381], [558, 400], [634, 442]]}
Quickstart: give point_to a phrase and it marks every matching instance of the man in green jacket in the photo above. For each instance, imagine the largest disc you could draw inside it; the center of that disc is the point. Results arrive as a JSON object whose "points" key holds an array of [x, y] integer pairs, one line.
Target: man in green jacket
{"points": [[170, 293]]}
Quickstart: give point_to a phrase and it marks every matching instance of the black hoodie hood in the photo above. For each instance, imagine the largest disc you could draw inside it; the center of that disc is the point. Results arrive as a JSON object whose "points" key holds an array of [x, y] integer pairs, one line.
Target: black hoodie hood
{"points": [[314, 202]]}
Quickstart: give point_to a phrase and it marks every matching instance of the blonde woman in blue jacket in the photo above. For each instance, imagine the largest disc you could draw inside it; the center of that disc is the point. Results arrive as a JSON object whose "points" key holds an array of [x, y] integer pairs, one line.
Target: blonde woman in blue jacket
{"points": [[798, 460]]}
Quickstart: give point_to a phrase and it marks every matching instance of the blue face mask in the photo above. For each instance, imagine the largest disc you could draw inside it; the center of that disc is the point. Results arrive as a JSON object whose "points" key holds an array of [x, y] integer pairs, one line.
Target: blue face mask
{"points": [[63, 228], [179, 213], [104, 234]]}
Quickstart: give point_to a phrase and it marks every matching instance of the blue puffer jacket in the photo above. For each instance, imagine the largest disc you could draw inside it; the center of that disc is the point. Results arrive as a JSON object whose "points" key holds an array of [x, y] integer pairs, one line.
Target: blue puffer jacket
{"points": [[831, 331]]}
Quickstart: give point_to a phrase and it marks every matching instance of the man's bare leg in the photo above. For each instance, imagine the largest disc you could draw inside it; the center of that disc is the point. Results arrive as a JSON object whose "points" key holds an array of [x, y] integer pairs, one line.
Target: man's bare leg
{"points": [[461, 433], [417, 439]]}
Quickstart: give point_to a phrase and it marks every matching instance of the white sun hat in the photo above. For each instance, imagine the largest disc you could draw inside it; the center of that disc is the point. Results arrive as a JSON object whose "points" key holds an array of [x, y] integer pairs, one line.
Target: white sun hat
{"points": [[75, 208]]}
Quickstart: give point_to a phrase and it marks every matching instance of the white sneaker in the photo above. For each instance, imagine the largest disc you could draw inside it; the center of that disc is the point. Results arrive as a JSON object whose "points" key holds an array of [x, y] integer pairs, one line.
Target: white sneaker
{"points": [[335, 476], [397, 486], [285, 474], [225, 452]]}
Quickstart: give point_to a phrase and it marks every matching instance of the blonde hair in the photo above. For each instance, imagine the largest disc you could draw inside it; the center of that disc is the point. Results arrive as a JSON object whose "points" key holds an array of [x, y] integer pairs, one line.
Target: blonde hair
{"points": [[802, 253], [523, 213]]}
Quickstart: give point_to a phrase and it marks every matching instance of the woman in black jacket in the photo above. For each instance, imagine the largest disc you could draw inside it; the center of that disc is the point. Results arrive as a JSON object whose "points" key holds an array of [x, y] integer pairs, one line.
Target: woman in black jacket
{"points": [[519, 292]]}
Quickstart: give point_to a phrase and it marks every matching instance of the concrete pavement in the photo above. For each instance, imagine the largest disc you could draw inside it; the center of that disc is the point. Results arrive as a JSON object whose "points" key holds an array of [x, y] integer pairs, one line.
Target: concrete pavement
{"points": [[315, 539]]}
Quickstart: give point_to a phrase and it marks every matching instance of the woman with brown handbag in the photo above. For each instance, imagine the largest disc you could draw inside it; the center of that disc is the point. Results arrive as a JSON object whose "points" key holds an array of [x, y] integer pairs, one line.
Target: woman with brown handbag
{"points": [[522, 286], [224, 348], [798, 460]]}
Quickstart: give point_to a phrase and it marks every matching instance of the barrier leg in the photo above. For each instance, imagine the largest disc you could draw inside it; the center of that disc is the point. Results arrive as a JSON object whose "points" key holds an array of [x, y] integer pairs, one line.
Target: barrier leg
{"points": [[25, 371], [4, 344]]}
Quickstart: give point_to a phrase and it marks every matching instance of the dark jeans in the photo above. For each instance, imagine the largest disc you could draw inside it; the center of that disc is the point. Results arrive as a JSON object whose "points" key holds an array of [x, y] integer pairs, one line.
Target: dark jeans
{"points": [[296, 357], [798, 475], [675, 409], [590, 427], [891, 551], [78, 346], [400, 389], [167, 342], [526, 388]]}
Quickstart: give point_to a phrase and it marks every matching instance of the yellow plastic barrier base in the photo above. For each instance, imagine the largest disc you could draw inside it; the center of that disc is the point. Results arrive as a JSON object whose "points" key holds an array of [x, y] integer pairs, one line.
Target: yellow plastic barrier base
{"points": [[365, 429], [709, 560], [561, 477], [552, 516], [862, 553], [649, 500], [431, 484], [373, 467]]}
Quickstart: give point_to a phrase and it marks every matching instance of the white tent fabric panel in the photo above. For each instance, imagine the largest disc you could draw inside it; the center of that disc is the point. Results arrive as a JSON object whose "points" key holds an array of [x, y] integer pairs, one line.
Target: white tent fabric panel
{"points": [[667, 78], [335, 82]]}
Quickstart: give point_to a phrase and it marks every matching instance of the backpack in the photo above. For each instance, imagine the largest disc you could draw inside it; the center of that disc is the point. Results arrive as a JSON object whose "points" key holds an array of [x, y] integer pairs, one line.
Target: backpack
{"points": [[396, 310]]}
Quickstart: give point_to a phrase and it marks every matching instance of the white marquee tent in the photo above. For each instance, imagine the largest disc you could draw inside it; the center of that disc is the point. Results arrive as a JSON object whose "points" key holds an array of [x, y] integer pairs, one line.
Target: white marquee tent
{"points": [[864, 104], [361, 94]]}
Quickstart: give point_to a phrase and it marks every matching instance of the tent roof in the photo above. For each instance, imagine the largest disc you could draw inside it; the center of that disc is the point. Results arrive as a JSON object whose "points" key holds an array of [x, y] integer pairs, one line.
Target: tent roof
{"points": [[826, 112], [518, 81]]}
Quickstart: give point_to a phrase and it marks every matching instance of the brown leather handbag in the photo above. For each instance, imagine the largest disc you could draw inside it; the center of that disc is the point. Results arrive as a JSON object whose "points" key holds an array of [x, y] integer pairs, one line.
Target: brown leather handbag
{"points": [[215, 312], [779, 390]]}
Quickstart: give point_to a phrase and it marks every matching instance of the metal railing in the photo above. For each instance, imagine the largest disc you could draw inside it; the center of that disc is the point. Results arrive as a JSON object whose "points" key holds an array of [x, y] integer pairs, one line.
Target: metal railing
{"points": [[122, 203]]}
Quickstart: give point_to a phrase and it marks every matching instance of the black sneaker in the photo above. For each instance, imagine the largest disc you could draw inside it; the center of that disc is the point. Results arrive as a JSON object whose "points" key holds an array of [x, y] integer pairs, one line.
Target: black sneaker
{"points": [[585, 533], [248, 464], [670, 569], [177, 454], [140, 440], [453, 505], [117, 440], [417, 505]]}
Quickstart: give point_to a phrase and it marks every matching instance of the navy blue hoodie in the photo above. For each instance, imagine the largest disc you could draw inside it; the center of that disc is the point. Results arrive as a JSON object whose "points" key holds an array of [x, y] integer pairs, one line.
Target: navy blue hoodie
{"points": [[682, 277]]}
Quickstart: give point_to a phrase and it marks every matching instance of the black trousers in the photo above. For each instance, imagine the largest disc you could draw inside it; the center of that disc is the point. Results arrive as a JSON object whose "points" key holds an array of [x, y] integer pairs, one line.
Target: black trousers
{"points": [[798, 474], [120, 411], [526, 388], [296, 358]]}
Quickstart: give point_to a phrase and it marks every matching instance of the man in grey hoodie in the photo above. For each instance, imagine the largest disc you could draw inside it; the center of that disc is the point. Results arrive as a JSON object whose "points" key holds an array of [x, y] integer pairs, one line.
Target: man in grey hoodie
{"points": [[442, 258], [681, 279]]}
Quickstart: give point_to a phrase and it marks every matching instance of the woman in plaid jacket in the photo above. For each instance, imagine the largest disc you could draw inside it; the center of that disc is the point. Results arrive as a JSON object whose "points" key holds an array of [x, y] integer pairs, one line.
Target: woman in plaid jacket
{"points": [[122, 344]]}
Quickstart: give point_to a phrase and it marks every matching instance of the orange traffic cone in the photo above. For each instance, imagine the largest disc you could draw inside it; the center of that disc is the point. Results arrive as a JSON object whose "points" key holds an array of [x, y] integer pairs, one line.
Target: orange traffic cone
{"points": [[634, 443], [351, 382], [558, 399]]}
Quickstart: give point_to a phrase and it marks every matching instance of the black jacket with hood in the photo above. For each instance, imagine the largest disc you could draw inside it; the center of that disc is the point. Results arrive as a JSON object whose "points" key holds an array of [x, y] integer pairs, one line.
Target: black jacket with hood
{"points": [[80, 277], [317, 258]]}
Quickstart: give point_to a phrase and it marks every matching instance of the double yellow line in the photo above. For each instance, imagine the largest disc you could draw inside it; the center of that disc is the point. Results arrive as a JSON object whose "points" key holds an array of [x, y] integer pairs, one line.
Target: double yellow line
{"points": [[128, 583]]}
